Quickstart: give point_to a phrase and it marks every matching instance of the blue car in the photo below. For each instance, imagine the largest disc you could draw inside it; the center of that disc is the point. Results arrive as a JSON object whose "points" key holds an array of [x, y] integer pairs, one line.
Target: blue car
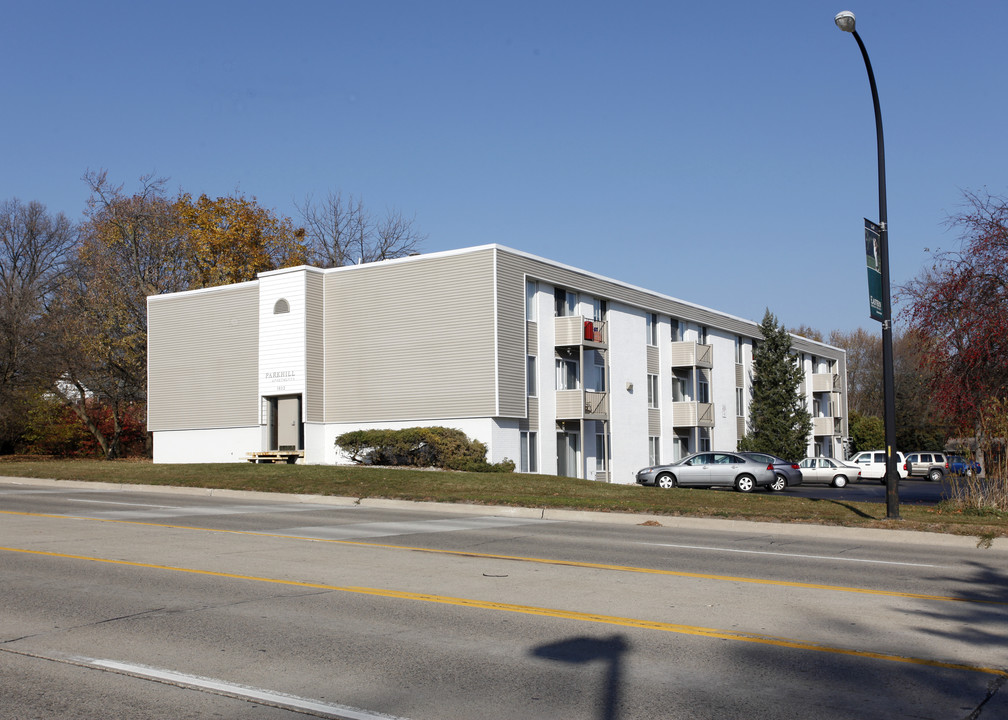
{"points": [[958, 465]]}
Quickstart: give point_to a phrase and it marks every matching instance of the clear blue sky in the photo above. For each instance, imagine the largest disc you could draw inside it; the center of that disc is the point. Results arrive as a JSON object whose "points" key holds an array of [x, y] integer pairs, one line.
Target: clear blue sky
{"points": [[690, 148]]}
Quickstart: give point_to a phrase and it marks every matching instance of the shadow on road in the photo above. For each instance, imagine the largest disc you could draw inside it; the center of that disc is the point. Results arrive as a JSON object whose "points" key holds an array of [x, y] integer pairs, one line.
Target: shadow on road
{"points": [[582, 650]]}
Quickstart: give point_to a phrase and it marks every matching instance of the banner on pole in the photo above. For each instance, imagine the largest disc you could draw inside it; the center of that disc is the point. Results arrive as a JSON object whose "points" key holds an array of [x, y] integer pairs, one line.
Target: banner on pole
{"points": [[873, 256]]}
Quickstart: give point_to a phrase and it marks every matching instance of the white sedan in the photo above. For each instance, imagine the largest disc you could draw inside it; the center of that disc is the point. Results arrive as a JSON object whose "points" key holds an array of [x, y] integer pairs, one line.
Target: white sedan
{"points": [[829, 470]]}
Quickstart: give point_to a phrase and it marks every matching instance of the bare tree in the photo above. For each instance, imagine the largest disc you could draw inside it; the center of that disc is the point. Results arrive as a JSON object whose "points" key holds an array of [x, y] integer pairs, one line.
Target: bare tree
{"points": [[342, 232], [34, 248]]}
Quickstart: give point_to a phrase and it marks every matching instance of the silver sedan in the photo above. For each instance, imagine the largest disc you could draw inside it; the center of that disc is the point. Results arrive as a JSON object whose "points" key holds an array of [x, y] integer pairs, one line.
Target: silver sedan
{"points": [[710, 469], [829, 470]]}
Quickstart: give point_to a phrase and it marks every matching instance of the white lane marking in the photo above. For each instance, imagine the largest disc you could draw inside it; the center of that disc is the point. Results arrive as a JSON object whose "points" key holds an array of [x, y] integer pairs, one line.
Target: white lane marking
{"points": [[416, 527], [794, 555], [240, 691], [115, 502], [146, 511]]}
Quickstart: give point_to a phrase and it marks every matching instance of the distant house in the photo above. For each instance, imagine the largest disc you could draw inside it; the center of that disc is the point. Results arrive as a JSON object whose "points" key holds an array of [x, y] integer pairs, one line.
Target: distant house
{"points": [[561, 370]]}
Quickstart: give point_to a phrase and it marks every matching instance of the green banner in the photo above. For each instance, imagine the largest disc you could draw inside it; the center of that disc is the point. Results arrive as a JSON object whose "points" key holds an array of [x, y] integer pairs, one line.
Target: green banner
{"points": [[873, 256]]}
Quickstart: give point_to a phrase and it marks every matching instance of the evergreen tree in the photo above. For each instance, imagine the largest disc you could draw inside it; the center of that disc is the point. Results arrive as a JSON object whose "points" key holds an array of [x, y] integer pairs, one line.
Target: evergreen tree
{"points": [[779, 421]]}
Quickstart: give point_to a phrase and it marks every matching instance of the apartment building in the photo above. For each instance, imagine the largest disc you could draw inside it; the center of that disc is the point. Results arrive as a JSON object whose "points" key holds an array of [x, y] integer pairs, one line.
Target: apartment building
{"points": [[561, 370]]}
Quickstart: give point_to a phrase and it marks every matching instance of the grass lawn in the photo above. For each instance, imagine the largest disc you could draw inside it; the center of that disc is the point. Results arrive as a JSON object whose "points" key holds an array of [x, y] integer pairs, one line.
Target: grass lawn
{"points": [[514, 489]]}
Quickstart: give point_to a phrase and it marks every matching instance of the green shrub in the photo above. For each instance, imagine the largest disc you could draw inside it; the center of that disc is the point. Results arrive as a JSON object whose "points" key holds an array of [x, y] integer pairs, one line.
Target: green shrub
{"points": [[419, 447]]}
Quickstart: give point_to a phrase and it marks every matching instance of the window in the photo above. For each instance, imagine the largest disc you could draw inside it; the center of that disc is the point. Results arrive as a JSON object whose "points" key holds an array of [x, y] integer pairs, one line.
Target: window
{"points": [[738, 349], [704, 440], [677, 330], [680, 388], [566, 374], [565, 302], [654, 450], [701, 334], [531, 381], [600, 452], [281, 307], [599, 308], [598, 379], [740, 402], [680, 447], [529, 452], [652, 329], [531, 288], [703, 389], [652, 391]]}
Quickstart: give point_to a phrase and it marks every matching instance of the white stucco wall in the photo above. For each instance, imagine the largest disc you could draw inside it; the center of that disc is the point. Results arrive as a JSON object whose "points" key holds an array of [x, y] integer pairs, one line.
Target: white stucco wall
{"points": [[628, 407], [206, 446]]}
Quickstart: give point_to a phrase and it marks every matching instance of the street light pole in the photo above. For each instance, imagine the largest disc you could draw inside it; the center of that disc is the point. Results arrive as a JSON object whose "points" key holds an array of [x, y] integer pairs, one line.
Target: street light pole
{"points": [[845, 21]]}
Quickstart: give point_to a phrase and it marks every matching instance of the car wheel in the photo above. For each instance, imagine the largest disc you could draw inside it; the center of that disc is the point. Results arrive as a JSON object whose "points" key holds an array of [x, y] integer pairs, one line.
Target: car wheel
{"points": [[665, 481], [839, 481], [778, 484], [935, 475], [969, 472], [745, 483]]}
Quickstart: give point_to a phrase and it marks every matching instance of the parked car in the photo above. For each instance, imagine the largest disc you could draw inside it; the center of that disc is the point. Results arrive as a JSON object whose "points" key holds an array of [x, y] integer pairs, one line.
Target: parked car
{"points": [[958, 465], [710, 469], [787, 472], [931, 465], [829, 470], [873, 464]]}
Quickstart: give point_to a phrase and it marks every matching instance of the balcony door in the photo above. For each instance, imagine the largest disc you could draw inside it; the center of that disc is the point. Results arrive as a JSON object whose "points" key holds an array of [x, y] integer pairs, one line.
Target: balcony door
{"points": [[568, 447]]}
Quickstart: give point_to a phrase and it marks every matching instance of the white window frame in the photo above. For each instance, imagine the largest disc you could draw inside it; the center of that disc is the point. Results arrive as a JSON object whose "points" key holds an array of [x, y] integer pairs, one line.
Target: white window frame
{"points": [[532, 379], [531, 300], [651, 322], [652, 391], [529, 462], [565, 370], [654, 450]]}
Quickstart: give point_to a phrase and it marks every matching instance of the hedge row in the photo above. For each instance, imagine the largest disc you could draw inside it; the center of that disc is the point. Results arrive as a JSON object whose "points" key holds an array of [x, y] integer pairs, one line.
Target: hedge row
{"points": [[439, 447]]}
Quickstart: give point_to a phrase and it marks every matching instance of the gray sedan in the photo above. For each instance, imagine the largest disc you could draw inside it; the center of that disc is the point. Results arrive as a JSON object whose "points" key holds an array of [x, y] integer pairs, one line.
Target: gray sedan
{"points": [[710, 469], [829, 470], [788, 473]]}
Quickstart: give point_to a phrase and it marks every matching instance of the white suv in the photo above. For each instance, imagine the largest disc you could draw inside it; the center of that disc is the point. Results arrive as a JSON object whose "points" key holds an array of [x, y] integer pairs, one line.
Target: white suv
{"points": [[873, 464]]}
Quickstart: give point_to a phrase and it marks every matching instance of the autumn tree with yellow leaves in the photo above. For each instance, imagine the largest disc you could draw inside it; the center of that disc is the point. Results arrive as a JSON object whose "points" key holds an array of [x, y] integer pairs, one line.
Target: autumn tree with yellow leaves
{"points": [[141, 244]]}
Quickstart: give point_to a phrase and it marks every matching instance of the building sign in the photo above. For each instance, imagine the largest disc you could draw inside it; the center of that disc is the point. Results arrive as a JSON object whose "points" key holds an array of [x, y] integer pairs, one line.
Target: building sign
{"points": [[873, 256], [280, 381]]}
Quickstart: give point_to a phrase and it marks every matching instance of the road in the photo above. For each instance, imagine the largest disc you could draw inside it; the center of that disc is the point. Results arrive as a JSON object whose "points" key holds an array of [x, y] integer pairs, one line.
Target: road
{"points": [[119, 603]]}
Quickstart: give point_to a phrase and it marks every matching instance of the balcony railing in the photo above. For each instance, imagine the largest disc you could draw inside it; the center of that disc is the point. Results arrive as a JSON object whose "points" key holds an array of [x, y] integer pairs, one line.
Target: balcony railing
{"points": [[691, 354], [692, 414], [826, 426], [576, 330], [578, 404], [825, 382]]}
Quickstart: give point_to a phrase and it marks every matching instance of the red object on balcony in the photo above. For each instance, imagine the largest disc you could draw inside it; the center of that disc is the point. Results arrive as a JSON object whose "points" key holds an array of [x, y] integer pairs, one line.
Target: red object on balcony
{"points": [[589, 330]]}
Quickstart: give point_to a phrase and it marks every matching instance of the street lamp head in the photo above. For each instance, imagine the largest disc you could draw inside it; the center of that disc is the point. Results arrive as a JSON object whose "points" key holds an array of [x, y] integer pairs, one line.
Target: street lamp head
{"points": [[845, 21]]}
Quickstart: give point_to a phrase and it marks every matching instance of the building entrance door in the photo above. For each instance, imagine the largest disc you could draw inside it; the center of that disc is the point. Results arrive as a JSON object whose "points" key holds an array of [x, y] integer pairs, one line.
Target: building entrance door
{"points": [[286, 431]]}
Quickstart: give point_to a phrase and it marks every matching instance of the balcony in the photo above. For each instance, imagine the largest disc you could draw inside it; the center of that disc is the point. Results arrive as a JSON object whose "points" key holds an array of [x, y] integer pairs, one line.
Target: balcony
{"points": [[825, 382], [826, 426], [576, 330], [692, 414], [691, 354], [582, 405]]}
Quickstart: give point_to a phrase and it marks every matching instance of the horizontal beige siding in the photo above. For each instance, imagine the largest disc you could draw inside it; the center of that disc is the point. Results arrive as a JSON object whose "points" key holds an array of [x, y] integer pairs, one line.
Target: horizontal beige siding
{"points": [[314, 348], [414, 340], [203, 359], [653, 365], [511, 341], [654, 422]]}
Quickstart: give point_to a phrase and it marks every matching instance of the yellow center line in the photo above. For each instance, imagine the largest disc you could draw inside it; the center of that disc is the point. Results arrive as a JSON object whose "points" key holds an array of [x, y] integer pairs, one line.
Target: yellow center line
{"points": [[541, 561], [539, 611]]}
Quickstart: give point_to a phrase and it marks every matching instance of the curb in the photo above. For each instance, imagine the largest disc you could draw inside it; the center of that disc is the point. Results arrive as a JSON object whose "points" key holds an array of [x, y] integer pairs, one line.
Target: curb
{"points": [[552, 514]]}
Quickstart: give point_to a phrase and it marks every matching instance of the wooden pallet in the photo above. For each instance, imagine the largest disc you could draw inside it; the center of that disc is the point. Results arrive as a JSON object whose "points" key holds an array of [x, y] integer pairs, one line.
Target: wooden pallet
{"points": [[275, 456]]}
